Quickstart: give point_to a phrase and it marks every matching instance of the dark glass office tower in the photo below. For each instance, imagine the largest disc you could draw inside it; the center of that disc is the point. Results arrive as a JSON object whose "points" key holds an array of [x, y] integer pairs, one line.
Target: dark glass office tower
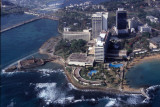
{"points": [[121, 21]]}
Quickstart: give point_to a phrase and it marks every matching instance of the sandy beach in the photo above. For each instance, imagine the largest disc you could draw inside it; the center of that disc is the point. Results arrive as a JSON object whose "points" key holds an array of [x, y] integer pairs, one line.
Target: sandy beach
{"points": [[139, 60]]}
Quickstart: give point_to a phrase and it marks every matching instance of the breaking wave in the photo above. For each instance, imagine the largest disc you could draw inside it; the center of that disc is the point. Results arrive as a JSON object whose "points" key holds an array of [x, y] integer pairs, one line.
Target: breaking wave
{"points": [[47, 72], [151, 91], [112, 102], [50, 93], [10, 73], [71, 86]]}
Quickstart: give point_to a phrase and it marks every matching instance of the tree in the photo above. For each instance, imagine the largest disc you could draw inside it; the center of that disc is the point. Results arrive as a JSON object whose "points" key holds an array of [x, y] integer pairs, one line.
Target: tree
{"points": [[146, 34]]}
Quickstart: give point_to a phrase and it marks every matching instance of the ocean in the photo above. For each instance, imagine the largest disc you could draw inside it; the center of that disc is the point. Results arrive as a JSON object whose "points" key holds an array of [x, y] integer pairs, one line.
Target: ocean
{"points": [[25, 40], [147, 74]]}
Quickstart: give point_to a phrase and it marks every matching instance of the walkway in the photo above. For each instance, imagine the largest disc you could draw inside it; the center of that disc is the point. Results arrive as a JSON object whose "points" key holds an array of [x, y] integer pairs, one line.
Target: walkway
{"points": [[77, 77]]}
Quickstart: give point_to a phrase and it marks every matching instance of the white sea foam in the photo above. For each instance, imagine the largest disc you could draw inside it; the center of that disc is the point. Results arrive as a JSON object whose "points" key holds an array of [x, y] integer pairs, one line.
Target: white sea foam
{"points": [[47, 72], [10, 73], [82, 99], [151, 88], [11, 104], [133, 99], [71, 86], [111, 103], [51, 94], [75, 101]]}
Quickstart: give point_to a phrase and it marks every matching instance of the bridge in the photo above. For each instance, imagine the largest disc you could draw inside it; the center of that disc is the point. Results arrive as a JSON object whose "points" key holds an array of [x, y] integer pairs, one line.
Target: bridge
{"points": [[29, 21]]}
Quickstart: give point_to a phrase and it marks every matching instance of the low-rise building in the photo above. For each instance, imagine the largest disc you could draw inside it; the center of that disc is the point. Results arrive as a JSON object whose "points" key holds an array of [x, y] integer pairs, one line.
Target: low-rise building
{"points": [[85, 35], [139, 51], [144, 28], [80, 59], [152, 19], [154, 43], [117, 53]]}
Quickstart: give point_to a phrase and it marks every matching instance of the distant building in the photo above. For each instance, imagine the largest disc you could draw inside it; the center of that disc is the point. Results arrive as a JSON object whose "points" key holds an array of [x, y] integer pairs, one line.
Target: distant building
{"points": [[149, 2], [105, 21], [66, 29], [85, 35], [144, 28], [154, 43], [132, 23], [121, 21], [99, 23], [117, 53], [80, 59], [152, 19], [139, 51]]}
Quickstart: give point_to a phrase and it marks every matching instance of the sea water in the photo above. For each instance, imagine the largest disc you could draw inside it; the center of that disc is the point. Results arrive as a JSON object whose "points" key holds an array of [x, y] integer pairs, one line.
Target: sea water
{"points": [[25, 40], [12, 19], [146, 74]]}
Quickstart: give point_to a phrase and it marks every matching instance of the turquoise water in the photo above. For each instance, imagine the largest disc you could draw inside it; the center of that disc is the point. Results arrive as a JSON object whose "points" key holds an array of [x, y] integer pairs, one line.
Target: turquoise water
{"points": [[144, 74], [92, 72], [27, 39], [115, 65]]}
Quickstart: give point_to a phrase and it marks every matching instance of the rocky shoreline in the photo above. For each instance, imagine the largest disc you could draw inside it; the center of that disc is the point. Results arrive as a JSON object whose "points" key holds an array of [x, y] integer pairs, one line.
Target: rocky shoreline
{"points": [[28, 63]]}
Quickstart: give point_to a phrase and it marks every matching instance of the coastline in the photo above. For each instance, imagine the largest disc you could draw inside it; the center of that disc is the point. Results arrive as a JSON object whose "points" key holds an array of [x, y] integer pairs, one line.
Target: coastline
{"points": [[61, 61], [51, 43], [133, 63], [139, 60]]}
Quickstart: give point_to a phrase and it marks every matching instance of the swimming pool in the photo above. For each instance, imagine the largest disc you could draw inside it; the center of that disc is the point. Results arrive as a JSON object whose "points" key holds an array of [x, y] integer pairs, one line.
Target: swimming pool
{"points": [[92, 72], [115, 65]]}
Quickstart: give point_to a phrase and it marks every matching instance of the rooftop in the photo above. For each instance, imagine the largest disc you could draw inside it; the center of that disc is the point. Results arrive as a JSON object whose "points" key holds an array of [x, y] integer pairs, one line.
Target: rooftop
{"points": [[77, 33], [81, 57], [156, 40]]}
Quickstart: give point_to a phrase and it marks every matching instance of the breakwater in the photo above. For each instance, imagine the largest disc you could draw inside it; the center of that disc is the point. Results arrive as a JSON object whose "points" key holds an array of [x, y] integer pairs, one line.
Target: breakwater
{"points": [[29, 21]]}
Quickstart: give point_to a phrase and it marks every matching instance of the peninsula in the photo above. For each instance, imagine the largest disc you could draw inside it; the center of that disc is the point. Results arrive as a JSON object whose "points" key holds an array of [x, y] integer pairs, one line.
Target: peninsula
{"points": [[100, 43]]}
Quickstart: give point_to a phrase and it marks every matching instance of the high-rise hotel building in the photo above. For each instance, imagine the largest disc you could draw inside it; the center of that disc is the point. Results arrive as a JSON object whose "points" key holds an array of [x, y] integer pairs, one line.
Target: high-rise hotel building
{"points": [[99, 23], [121, 21]]}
